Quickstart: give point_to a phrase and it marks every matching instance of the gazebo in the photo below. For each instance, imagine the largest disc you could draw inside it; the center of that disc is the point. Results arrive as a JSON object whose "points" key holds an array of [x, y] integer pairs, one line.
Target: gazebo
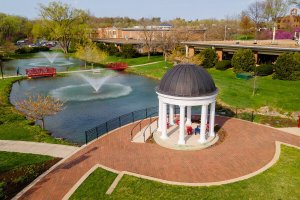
{"points": [[187, 86]]}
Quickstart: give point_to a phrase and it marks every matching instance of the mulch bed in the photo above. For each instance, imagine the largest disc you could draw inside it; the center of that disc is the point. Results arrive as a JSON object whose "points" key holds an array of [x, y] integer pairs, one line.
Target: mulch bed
{"points": [[17, 179]]}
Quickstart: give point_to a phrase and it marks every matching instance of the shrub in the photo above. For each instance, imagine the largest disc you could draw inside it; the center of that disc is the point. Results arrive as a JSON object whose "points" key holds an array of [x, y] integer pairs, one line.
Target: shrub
{"points": [[111, 49], [265, 70], [223, 65], [243, 60], [210, 57], [128, 51], [287, 67], [24, 50]]}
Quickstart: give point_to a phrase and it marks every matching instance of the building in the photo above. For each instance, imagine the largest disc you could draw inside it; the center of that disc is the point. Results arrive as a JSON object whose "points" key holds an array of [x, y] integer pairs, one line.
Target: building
{"points": [[291, 21]]}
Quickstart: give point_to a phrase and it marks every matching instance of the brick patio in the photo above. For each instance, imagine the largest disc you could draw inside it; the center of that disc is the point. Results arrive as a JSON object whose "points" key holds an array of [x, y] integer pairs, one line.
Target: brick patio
{"points": [[247, 148]]}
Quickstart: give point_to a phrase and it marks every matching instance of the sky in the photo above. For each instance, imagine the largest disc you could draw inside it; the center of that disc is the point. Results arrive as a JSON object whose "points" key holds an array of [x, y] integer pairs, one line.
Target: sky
{"points": [[166, 9]]}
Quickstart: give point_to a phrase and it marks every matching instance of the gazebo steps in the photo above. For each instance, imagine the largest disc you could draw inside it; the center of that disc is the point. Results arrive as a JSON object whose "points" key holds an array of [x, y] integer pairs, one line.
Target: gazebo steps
{"points": [[192, 143], [139, 137]]}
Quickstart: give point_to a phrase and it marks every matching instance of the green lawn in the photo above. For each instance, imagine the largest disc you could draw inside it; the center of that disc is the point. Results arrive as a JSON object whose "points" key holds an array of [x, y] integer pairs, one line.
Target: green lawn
{"points": [[284, 95], [13, 125], [277, 94], [282, 181], [155, 71], [10, 161], [134, 61], [18, 169]]}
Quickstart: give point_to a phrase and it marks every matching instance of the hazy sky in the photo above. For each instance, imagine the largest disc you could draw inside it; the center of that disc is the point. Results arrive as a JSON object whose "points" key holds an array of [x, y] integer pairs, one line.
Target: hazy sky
{"points": [[166, 9]]}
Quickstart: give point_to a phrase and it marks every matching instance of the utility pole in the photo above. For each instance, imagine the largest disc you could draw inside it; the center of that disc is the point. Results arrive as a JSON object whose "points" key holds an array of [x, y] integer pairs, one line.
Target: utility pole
{"points": [[225, 34]]}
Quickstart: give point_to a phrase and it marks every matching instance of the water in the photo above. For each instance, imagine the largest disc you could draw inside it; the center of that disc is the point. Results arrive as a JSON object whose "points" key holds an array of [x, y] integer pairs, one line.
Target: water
{"points": [[57, 60], [84, 108]]}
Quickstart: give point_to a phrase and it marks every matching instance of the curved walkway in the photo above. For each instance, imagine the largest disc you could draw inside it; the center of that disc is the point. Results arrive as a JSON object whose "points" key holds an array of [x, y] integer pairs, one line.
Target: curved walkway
{"points": [[247, 148], [54, 150]]}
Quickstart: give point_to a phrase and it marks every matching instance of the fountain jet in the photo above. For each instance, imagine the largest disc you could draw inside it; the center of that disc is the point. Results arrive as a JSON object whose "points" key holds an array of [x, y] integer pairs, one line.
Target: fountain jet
{"points": [[51, 57], [96, 83]]}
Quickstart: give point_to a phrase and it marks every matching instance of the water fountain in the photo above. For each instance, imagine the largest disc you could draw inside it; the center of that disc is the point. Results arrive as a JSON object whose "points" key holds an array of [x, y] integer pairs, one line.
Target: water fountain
{"points": [[51, 57], [96, 87], [96, 83]]}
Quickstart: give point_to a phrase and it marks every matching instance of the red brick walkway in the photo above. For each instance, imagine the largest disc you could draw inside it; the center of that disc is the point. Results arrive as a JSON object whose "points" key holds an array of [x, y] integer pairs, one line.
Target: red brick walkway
{"points": [[247, 148]]}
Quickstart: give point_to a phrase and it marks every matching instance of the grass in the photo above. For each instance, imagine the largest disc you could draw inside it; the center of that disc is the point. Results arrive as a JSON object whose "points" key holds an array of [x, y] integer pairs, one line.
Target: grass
{"points": [[96, 185], [10, 161], [155, 71], [276, 94], [18, 170], [283, 95], [281, 181], [13, 125], [134, 61]]}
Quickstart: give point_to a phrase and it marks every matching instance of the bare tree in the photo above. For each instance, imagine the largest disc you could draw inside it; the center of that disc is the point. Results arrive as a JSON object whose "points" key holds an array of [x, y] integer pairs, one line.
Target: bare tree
{"points": [[39, 107], [166, 41], [148, 39], [255, 12], [274, 9]]}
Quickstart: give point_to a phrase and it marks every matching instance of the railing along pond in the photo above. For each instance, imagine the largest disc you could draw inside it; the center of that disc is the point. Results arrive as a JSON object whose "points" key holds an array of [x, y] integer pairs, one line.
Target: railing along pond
{"points": [[118, 122], [142, 115]]}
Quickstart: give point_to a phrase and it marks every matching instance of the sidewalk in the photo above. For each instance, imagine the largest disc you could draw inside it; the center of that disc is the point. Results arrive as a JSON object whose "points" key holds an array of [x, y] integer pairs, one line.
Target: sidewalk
{"points": [[292, 130], [54, 150], [84, 70]]}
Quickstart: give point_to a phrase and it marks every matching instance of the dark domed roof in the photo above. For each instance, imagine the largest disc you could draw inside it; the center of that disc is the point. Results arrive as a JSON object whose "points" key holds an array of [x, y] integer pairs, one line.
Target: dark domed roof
{"points": [[187, 80]]}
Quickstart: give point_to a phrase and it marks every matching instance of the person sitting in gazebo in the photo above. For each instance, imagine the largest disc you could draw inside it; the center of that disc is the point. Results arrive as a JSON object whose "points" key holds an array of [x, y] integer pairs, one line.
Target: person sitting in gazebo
{"points": [[197, 130]]}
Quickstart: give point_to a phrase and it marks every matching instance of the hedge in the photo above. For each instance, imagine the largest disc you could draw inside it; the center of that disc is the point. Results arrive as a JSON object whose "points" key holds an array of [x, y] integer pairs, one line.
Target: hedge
{"points": [[223, 65]]}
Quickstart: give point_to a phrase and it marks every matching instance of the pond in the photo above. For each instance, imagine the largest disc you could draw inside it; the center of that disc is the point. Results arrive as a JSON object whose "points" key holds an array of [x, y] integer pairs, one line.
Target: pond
{"points": [[119, 93], [55, 59]]}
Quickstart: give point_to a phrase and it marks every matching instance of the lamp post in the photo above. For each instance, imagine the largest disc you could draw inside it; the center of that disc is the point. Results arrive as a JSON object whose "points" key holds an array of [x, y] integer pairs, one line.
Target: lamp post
{"points": [[225, 34]]}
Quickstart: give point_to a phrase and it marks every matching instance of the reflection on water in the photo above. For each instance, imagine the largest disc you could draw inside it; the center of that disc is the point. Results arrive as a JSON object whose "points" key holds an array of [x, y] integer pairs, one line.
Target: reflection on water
{"points": [[85, 109]]}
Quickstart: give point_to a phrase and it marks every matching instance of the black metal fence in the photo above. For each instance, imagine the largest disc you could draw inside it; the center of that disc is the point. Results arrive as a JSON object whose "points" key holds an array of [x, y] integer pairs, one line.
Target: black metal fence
{"points": [[118, 122], [128, 118]]}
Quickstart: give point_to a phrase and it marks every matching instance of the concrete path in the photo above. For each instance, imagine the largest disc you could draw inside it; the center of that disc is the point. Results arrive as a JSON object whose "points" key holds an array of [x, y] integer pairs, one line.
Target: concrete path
{"points": [[84, 70], [151, 63], [291, 130], [54, 150]]}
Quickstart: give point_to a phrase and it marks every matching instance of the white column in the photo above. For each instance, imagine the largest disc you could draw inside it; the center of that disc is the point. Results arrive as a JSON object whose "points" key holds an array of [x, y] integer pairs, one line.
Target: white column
{"points": [[189, 116], [203, 124], [181, 140], [212, 119], [160, 108], [164, 134], [171, 115]]}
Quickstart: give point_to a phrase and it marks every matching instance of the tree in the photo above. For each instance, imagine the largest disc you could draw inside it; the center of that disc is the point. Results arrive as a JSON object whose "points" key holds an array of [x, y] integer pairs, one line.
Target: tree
{"points": [[37, 108], [166, 41], [245, 24], [287, 67], [243, 60], [148, 39], [275, 9], [64, 23], [255, 12], [91, 53], [210, 57], [178, 57], [82, 52], [1, 66]]}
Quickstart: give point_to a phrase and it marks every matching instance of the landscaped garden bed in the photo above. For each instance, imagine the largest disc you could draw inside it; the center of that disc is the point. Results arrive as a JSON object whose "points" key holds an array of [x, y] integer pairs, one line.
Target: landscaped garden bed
{"points": [[17, 170]]}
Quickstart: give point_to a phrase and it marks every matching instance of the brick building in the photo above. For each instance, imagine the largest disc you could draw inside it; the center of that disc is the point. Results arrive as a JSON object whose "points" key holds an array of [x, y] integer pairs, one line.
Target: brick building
{"points": [[290, 22]]}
